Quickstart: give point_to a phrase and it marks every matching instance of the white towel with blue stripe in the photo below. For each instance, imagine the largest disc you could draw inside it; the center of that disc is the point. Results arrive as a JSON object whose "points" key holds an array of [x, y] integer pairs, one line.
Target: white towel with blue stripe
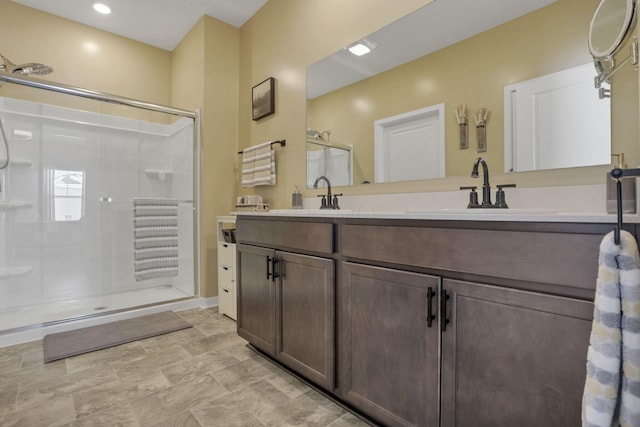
{"points": [[155, 238], [612, 388]]}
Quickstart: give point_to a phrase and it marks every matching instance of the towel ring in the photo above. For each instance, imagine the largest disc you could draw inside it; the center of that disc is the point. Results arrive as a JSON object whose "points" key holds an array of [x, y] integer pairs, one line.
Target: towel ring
{"points": [[619, 174]]}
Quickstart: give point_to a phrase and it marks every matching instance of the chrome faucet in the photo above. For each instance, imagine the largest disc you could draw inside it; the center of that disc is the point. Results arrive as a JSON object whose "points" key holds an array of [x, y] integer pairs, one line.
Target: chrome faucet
{"points": [[486, 188], [329, 201]]}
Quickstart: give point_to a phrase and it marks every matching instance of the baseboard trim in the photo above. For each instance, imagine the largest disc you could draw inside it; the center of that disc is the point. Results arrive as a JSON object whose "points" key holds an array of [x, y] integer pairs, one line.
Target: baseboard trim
{"points": [[208, 302]]}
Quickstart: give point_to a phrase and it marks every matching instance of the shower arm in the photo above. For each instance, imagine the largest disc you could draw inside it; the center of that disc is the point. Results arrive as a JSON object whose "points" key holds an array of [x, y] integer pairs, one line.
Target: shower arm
{"points": [[91, 94]]}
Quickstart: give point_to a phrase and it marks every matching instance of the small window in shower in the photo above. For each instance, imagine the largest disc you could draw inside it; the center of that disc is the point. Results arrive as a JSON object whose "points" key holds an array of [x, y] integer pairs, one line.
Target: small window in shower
{"points": [[68, 194]]}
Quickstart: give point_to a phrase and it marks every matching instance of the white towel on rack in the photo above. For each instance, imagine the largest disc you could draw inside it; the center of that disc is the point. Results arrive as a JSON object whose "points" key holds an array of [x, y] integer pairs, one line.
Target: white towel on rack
{"points": [[612, 388], [155, 238], [259, 165]]}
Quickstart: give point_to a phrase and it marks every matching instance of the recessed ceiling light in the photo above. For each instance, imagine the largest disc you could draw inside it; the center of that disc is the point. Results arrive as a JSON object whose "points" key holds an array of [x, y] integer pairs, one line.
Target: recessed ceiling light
{"points": [[102, 8], [362, 47], [359, 49]]}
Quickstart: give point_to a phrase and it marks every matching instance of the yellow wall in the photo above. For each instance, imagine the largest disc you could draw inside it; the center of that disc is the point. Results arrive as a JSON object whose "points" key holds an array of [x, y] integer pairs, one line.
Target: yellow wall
{"points": [[83, 56], [280, 41], [286, 35], [205, 69]]}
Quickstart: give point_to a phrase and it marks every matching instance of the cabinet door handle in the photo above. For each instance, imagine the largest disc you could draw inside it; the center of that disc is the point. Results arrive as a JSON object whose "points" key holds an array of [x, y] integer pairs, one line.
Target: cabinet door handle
{"points": [[226, 290], [430, 316], [269, 268], [443, 309], [225, 268], [274, 274]]}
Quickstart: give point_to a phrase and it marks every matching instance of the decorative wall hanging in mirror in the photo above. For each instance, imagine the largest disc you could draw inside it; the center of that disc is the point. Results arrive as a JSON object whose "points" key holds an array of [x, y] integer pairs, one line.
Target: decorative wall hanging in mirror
{"points": [[263, 99]]}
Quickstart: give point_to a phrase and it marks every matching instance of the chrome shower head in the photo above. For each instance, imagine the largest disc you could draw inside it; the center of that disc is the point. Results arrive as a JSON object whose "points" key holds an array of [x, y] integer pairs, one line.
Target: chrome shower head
{"points": [[24, 69], [32, 68]]}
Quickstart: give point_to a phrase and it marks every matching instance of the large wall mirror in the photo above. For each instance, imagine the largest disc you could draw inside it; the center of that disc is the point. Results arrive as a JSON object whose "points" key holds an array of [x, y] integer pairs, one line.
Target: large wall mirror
{"points": [[491, 55]]}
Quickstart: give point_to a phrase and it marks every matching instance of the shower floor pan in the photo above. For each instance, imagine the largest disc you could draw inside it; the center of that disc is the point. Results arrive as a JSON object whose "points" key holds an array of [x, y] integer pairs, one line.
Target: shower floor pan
{"points": [[59, 311]]}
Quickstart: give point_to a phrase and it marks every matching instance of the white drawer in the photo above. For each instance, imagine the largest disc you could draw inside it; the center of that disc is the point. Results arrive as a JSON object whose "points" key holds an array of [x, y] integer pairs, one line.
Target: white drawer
{"points": [[226, 254], [226, 276], [226, 291]]}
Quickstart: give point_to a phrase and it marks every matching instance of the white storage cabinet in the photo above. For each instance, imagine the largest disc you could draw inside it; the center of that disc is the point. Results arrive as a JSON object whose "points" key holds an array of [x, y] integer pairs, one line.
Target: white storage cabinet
{"points": [[226, 268]]}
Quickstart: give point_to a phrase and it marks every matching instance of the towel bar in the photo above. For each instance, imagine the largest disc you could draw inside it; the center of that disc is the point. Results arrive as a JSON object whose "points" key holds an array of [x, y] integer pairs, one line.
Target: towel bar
{"points": [[282, 143], [618, 174]]}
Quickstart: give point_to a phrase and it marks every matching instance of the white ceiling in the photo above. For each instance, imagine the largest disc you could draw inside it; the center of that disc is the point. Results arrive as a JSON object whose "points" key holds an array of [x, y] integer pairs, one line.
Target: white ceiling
{"points": [[160, 23], [433, 27]]}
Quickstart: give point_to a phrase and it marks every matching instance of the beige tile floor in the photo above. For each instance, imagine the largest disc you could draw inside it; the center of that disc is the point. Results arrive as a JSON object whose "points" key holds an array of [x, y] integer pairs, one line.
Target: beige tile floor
{"points": [[202, 376]]}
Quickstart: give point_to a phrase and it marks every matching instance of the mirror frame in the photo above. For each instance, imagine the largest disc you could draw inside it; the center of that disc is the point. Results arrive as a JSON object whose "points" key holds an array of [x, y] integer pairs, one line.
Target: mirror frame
{"points": [[623, 35]]}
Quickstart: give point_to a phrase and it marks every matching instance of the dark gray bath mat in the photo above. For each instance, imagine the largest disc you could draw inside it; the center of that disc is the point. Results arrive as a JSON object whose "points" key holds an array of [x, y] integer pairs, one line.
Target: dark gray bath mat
{"points": [[71, 343]]}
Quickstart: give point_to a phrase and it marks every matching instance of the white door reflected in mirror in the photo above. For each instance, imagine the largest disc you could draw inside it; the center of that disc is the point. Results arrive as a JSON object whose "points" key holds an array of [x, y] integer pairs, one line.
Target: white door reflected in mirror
{"points": [[556, 121], [410, 146]]}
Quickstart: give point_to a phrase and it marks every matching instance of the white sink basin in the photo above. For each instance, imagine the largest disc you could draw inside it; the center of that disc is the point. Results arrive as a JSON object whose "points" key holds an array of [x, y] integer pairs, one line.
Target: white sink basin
{"points": [[483, 211]]}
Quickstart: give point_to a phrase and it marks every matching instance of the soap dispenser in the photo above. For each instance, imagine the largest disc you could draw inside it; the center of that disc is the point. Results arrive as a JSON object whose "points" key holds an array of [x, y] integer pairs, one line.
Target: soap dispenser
{"points": [[628, 190], [296, 199]]}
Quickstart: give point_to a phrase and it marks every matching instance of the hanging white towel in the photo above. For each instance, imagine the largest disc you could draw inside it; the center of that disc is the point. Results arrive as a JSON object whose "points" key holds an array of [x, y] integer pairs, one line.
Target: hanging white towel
{"points": [[155, 238], [315, 166], [259, 165], [338, 165], [612, 389]]}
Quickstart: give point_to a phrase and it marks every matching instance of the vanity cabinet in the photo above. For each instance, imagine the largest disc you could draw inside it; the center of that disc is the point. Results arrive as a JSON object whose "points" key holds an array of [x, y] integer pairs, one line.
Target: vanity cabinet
{"points": [[287, 299], [437, 322], [511, 357], [389, 344], [512, 351], [256, 315]]}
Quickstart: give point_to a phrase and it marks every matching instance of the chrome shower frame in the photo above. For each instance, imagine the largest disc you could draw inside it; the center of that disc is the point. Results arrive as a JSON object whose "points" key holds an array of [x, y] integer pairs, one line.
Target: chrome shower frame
{"points": [[120, 100]]}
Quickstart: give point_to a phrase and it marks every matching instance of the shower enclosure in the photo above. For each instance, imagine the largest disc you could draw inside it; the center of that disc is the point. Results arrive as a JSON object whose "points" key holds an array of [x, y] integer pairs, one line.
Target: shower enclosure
{"points": [[97, 204]]}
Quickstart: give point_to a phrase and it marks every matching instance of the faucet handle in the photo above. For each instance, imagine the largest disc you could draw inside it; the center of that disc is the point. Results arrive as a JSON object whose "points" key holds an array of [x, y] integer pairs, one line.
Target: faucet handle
{"points": [[473, 197], [334, 202], [501, 201], [323, 202]]}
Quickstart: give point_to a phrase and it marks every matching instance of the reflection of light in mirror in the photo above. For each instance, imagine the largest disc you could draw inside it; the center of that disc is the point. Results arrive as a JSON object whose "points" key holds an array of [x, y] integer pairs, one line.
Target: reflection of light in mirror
{"points": [[425, 86], [362, 105], [90, 47]]}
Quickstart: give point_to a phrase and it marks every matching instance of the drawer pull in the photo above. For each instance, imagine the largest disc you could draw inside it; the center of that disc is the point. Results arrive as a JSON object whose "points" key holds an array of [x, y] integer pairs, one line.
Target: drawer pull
{"points": [[225, 268], [226, 290], [225, 245]]}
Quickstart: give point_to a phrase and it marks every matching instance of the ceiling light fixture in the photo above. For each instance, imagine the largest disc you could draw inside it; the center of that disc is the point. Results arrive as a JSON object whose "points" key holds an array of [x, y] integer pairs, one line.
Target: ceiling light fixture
{"points": [[102, 8], [362, 47]]}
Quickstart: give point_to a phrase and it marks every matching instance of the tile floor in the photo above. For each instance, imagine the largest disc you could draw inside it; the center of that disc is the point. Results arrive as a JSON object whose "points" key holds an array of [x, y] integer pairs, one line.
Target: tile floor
{"points": [[202, 376]]}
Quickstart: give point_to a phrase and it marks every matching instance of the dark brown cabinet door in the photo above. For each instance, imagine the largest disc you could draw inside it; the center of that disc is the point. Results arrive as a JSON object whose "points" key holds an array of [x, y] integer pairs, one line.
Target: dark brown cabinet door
{"points": [[305, 333], [388, 355], [256, 320], [512, 358]]}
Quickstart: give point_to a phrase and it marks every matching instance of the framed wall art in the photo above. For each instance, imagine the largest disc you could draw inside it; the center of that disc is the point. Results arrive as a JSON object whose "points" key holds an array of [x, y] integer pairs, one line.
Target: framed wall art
{"points": [[263, 99]]}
